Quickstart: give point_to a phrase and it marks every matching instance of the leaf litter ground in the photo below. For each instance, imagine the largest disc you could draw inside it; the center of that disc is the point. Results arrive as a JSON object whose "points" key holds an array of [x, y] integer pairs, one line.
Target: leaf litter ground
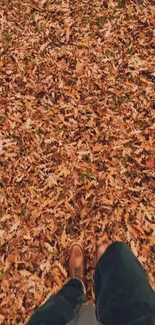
{"points": [[77, 140]]}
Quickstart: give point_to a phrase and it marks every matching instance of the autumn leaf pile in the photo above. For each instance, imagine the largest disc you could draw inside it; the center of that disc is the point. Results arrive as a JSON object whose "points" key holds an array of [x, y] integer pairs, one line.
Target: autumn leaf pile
{"points": [[77, 141]]}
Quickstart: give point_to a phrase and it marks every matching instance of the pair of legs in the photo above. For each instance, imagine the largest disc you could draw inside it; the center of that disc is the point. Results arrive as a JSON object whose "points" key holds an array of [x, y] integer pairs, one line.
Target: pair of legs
{"points": [[122, 290]]}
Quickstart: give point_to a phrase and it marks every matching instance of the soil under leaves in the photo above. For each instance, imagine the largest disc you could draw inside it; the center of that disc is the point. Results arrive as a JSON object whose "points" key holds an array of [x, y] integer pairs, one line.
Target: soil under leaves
{"points": [[77, 145]]}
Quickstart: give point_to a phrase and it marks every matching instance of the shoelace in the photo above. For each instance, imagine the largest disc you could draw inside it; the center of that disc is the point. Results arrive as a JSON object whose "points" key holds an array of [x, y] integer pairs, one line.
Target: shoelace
{"points": [[77, 272]]}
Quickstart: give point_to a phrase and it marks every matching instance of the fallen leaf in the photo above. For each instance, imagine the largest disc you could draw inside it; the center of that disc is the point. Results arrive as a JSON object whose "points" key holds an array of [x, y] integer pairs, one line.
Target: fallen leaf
{"points": [[150, 163], [97, 147], [67, 34], [79, 68], [64, 238], [12, 258], [2, 317], [63, 171], [25, 273]]}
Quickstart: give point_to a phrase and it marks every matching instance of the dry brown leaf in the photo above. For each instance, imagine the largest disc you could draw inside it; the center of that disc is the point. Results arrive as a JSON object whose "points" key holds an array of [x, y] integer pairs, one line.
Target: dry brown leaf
{"points": [[2, 317], [25, 273], [61, 268], [64, 238], [63, 171], [150, 163], [67, 34], [79, 68], [12, 258], [97, 147]]}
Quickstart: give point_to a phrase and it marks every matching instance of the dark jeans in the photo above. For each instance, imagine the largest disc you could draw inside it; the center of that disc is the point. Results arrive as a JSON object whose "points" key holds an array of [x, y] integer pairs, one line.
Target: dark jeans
{"points": [[123, 293]]}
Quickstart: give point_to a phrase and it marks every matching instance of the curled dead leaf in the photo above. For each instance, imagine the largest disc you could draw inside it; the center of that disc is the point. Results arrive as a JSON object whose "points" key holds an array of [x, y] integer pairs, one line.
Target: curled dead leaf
{"points": [[79, 68], [150, 163], [2, 317], [49, 248], [25, 273], [61, 268], [12, 258], [64, 238], [67, 34], [97, 147], [63, 171]]}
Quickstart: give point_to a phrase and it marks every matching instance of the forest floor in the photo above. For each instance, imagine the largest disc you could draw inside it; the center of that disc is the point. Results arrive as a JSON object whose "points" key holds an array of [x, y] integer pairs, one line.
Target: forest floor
{"points": [[77, 141]]}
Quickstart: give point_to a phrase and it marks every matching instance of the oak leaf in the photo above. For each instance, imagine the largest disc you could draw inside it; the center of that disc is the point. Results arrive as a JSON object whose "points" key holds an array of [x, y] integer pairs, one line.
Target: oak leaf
{"points": [[150, 163], [79, 68], [97, 147]]}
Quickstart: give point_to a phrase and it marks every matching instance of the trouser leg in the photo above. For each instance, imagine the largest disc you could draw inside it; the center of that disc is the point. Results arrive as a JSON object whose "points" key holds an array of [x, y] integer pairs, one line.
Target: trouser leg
{"points": [[123, 293], [62, 307]]}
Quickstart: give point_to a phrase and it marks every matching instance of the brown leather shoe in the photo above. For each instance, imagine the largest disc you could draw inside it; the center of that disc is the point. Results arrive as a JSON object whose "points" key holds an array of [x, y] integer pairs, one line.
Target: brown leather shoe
{"points": [[76, 262]]}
